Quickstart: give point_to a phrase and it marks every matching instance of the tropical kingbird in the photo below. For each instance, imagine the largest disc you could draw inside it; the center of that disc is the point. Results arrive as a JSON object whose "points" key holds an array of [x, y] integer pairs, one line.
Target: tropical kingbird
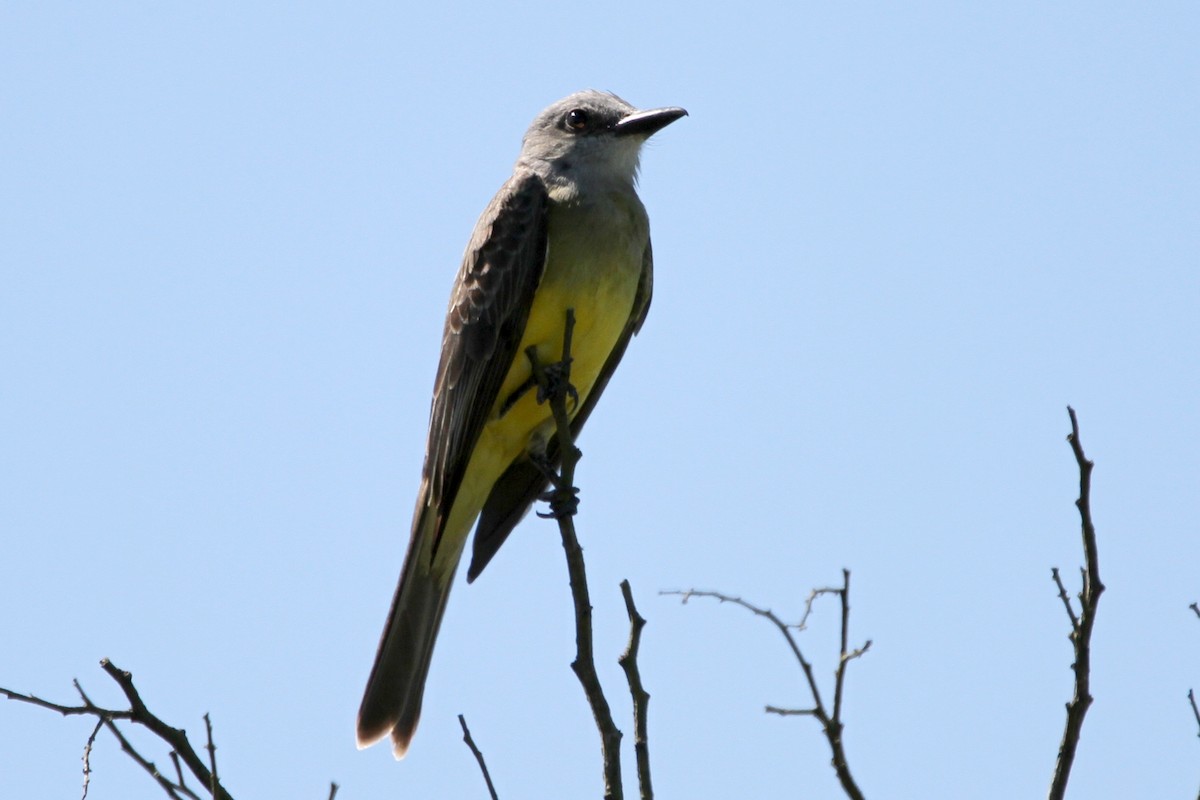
{"points": [[567, 231]]}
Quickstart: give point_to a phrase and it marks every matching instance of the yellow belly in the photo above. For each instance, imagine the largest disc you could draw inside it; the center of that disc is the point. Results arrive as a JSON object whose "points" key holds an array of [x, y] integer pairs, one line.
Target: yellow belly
{"points": [[594, 270]]}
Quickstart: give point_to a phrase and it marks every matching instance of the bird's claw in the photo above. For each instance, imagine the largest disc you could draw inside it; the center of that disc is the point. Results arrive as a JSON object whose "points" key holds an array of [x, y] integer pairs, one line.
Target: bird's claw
{"points": [[563, 500], [555, 382]]}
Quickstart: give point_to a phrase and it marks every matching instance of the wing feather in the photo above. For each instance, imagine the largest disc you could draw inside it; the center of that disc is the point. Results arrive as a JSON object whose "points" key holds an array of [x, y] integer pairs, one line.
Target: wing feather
{"points": [[489, 306]]}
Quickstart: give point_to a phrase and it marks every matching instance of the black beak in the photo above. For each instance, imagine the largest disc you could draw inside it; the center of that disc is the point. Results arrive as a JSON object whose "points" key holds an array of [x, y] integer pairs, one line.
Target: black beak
{"points": [[646, 123]]}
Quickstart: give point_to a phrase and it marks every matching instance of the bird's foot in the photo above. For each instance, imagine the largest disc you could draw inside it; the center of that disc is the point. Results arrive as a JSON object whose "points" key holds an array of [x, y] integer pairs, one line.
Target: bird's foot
{"points": [[555, 382], [563, 499]]}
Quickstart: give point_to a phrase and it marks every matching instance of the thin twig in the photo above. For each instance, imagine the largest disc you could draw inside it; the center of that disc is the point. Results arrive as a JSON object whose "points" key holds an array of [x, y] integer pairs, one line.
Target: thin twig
{"points": [[641, 698], [562, 504], [1191, 695], [1062, 594], [180, 779], [66, 711], [475, 751], [844, 656], [87, 756], [1081, 623], [212, 756], [1195, 710], [808, 605], [831, 723], [790, 712]]}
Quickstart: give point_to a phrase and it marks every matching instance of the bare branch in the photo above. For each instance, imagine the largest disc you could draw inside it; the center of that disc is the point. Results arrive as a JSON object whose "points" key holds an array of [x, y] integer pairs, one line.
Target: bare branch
{"points": [[641, 698], [138, 714], [1081, 624], [475, 751], [831, 723], [791, 712]]}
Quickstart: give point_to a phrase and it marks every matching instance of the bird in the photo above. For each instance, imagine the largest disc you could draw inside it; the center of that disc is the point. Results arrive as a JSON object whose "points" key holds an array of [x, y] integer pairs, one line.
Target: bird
{"points": [[566, 231]]}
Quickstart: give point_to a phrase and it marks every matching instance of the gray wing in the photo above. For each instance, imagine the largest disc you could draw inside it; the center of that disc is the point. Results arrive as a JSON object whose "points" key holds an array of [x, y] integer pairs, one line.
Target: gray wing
{"points": [[489, 306], [512, 495]]}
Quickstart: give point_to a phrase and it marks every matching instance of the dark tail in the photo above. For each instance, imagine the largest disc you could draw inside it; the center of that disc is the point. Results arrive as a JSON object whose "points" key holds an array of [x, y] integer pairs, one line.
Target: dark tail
{"points": [[392, 701]]}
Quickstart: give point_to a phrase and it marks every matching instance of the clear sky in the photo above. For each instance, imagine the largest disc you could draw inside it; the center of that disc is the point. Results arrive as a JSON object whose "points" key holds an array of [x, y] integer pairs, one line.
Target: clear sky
{"points": [[893, 242]]}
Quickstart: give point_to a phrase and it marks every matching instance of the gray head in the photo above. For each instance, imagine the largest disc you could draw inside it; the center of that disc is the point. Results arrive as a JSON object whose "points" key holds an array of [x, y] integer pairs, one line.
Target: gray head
{"points": [[591, 136]]}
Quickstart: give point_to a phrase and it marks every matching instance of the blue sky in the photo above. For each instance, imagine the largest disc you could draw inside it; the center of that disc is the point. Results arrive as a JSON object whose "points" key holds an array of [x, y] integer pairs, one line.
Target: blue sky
{"points": [[893, 242]]}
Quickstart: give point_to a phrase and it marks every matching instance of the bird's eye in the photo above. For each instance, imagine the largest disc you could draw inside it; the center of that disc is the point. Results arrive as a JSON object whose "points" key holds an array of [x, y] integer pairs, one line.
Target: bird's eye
{"points": [[577, 119]]}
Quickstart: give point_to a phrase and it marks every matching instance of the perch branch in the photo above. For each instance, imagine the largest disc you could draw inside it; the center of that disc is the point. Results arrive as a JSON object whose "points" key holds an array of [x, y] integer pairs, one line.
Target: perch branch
{"points": [[554, 386]]}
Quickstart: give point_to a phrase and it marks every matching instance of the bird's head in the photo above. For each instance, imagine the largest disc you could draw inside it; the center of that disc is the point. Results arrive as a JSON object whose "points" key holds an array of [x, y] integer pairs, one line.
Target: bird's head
{"points": [[591, 136]]}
